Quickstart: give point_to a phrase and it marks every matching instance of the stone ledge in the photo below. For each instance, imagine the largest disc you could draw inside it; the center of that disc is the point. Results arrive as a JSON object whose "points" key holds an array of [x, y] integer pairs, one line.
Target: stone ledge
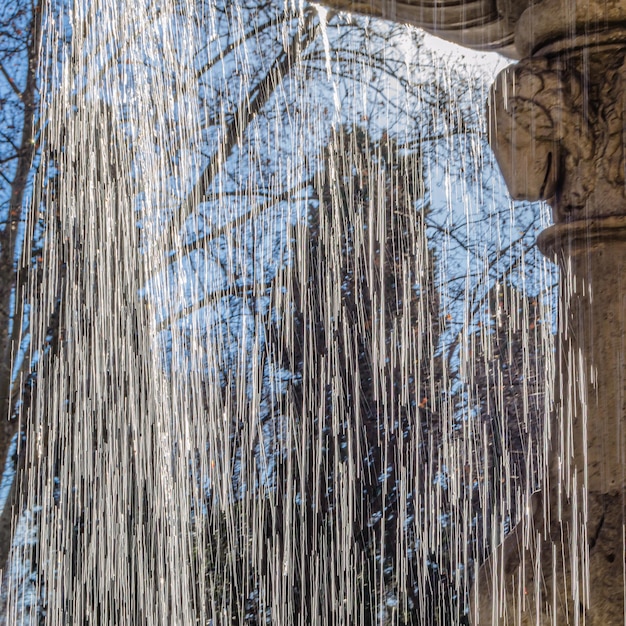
{"points": [[581, 236]]}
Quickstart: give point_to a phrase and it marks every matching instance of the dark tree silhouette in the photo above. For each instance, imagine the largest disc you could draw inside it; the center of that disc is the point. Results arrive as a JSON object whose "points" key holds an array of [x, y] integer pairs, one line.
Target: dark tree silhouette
{"points": [[20, 33]]}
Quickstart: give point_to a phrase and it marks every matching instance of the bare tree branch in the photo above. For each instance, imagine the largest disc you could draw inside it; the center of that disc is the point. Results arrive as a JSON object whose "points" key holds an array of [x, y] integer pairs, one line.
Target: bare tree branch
{"points": [[230, 291], [257, 210], [224, 52], [248, 109], [8, 242], [10, 81]]}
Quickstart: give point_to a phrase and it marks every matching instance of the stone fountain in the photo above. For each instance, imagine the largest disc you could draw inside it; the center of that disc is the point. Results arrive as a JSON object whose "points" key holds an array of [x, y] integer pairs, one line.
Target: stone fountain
{"points": [[557, 127]]}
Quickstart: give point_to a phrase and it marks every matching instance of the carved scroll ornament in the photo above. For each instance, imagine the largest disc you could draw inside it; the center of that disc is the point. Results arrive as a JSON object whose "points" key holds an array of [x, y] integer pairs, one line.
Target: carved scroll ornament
{"points": [[557, 130]]}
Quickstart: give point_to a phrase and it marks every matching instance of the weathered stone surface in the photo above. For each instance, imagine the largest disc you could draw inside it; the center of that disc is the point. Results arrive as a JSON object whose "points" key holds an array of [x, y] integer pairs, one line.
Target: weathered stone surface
{"points": [[481, 24], [517, 28], [591, 398], [557, 126], [569, 24], [538, 576], [564, 563]]}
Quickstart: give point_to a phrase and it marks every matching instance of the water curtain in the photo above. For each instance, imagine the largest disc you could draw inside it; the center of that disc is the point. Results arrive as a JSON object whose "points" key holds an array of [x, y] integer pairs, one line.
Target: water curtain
{"points": [[291, 345]]}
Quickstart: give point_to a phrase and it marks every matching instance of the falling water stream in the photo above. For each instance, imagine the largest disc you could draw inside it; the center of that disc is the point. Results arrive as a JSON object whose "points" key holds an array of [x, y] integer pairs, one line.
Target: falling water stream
{"points": [[294, 346]]}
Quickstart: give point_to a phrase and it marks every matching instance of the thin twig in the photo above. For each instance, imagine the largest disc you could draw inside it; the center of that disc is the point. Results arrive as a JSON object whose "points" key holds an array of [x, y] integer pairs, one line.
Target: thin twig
{"points": [[246, 112], [257, 210]]}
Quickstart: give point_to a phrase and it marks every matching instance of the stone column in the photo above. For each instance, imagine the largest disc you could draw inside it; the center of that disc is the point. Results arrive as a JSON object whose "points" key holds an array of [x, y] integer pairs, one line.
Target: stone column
{"points": [[557, 126]]}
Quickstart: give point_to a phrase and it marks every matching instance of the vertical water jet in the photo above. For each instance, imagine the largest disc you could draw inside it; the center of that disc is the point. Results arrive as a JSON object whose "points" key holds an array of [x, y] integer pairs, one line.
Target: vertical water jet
{"points": [[248, 414]]}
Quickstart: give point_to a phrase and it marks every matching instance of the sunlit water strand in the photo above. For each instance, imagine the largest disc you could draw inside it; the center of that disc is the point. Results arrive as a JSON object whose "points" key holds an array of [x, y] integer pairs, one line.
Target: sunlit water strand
{"points": [[277, 394]]}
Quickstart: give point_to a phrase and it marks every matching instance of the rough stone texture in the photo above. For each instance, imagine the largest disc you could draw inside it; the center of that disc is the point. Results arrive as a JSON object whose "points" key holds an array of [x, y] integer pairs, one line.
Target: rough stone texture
{"points": [[569, 24], [537, 577], [497, 24], [592, 335], [557, 127], [481, 24]]}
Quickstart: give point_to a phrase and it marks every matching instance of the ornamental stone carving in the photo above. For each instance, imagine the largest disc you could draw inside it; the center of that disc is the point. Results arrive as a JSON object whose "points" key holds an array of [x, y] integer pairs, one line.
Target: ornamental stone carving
{"points": [[516, 28], [557, 129]]}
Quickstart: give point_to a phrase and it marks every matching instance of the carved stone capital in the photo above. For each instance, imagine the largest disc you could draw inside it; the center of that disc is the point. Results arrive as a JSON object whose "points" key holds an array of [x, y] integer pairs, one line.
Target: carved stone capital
{"points": [[557, 130], [568, 23]]}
